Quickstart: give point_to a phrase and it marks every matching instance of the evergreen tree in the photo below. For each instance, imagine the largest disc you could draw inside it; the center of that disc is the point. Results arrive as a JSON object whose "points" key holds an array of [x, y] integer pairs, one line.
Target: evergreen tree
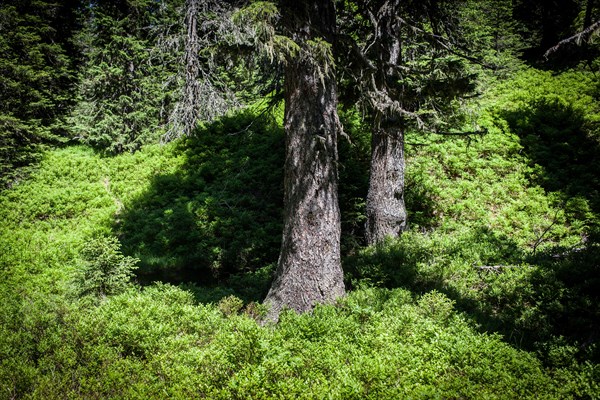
{"points": [[407, 73], [121, 98], [492, 35], [309, 268], [36, 80], [200, 92]]}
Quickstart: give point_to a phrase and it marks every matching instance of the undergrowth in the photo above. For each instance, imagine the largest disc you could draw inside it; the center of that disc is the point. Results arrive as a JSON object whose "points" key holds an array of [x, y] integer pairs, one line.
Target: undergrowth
{"points": [[506, 224], [492, 293], [158, 342]]}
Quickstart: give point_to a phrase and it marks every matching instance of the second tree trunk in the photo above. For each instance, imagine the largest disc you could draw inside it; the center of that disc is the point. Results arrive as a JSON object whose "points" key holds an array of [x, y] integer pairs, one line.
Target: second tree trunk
{"points": [[386, 212]]}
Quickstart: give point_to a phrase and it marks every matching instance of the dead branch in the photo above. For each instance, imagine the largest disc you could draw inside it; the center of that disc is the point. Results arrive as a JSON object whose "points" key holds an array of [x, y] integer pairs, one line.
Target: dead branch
{"points": [[495, 268], [583, 36]]}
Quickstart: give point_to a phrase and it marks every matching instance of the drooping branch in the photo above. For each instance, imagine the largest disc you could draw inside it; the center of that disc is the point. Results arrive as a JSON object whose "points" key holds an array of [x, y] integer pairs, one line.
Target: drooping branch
{"points": [[202, 95], [441, 41], [395, 76], [381, 101], [467, 135]]}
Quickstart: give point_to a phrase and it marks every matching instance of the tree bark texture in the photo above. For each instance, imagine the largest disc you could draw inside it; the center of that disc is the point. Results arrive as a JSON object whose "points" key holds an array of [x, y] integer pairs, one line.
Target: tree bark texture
{"points": [[309, 269], [386, 211]]}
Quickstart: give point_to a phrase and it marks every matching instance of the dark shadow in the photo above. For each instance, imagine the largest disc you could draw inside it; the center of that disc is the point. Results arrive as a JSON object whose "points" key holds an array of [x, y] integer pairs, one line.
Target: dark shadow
{"points": [[215, 224], [354, 164], [399, 263], [542, 300], [553, 307], [420, 202], [567, 295], [216, 221], [561, 145], [564, 150], [570, 55]]}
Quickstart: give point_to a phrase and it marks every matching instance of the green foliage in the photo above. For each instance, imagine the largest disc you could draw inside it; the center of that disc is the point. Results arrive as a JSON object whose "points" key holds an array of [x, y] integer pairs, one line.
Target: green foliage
{"points": [[204, 209], [529, 299], [121, 91], [219, 214], [493, 34], [104, 270], [506, 224], [156, 342], [37, 78], [354, 164], [410, 74], [230, 305], [493, 291], [557, 121], [257, 21]]}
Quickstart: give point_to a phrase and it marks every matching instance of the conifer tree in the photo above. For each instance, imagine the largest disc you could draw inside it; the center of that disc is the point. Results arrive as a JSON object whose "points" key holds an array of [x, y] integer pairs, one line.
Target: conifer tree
{"points": [[199, 92], [492, 35], [121, 80], [405, 74], [309, 269], [36, 78]]}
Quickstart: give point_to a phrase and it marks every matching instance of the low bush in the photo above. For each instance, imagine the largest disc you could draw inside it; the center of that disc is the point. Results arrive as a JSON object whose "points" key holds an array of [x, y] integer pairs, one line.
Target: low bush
{"points": [[376, 343], [219, 213]]}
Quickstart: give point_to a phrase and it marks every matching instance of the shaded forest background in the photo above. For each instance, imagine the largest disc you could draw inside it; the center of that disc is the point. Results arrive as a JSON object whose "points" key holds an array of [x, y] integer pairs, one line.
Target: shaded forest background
{"points": [[135, 254]]}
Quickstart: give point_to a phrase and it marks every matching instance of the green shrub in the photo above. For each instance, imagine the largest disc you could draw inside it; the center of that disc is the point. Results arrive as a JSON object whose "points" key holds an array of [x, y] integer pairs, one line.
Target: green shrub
{"points": [[104, 270], [493, 292], [504, 224], [219, 214], [230, 305]]}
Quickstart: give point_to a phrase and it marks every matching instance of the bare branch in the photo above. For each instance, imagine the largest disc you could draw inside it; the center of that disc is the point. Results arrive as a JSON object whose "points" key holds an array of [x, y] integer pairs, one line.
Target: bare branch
{"points": [[540, 239], [583, 36], [495, 268], [202, 96], [482, 132]]}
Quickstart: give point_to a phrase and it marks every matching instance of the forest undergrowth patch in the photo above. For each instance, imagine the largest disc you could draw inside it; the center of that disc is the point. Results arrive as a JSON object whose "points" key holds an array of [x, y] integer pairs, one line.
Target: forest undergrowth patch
{"points": [[493, 290]]}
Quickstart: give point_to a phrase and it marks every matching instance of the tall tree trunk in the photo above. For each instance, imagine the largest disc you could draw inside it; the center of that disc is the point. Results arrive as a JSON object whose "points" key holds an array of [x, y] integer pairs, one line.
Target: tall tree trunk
{"points": [[386, 212], [309, 269]]}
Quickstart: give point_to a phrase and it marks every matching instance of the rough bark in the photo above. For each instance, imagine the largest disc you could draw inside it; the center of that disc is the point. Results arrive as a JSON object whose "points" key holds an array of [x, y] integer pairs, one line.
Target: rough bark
{"points": [[309, 269], [386, 211]]}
